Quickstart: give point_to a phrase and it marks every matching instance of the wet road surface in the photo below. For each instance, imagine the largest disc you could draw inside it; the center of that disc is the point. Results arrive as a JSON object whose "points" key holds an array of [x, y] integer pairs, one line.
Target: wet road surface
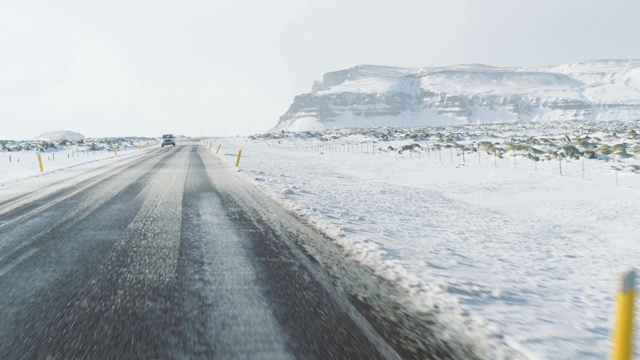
{"points": [[161, 258]]}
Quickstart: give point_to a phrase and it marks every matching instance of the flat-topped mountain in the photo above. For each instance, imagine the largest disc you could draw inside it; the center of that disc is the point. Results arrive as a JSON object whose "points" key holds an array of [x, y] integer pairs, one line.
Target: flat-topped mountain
{"points": [[374, 96]]}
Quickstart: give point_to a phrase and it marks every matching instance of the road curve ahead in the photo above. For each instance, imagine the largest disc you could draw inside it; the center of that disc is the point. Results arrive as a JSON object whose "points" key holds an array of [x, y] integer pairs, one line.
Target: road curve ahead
{"points": [[162, 258]]}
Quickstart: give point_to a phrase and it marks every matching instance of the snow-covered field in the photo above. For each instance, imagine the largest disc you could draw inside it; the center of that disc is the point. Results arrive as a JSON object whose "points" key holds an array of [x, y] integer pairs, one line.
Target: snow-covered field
{"points": [[24, 164], [501, 245], [22, 161]]}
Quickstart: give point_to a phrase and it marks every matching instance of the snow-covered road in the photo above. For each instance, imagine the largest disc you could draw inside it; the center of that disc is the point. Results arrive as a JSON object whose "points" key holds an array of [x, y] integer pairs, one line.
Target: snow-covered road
{"points": [[165, 255]]}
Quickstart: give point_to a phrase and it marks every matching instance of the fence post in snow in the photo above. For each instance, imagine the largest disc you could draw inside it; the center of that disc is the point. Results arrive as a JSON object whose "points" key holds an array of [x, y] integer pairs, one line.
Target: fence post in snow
{"points": [[623, 331], [560, 164], [217, 150]]}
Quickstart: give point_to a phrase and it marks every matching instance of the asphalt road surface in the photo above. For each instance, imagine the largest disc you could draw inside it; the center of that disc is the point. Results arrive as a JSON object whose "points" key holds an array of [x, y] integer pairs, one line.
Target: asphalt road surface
{"points": [[164, 257]]}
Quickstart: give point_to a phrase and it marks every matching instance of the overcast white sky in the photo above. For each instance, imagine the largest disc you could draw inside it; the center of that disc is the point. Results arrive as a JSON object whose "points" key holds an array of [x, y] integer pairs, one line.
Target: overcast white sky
{"points": [[126, 67]]}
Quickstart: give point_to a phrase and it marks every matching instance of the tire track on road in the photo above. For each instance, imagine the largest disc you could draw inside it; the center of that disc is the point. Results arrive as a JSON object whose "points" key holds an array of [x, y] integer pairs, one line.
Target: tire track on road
{"points": [[319, 320], [224, 312]]}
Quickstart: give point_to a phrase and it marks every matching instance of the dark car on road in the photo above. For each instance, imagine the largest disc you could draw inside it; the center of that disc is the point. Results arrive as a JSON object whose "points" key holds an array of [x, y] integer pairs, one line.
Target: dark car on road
{"points": [[168, 139]]}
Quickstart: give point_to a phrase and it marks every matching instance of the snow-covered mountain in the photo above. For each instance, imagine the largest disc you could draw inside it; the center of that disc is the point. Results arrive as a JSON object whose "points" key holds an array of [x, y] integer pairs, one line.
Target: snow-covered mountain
{"points": [[61, 135], [372, 96]]}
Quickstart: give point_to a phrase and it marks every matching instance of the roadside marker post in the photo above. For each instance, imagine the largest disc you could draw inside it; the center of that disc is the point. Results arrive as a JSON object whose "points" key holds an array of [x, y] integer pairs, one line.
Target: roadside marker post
{"points": [[210, 145], [623, 331], [238, 160], [40, 163], [218, 149]]}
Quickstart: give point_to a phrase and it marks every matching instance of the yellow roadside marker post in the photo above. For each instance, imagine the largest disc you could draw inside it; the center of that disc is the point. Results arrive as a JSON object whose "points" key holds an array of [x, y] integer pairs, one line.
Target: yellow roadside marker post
{"points": [[40, 163], [115, 150], [218, 148], [623, 331], [238, 161]]}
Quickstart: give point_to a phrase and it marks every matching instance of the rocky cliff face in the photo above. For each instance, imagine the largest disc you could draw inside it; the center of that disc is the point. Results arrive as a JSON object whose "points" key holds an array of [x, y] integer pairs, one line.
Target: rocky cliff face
{"points": [[371, 96]]}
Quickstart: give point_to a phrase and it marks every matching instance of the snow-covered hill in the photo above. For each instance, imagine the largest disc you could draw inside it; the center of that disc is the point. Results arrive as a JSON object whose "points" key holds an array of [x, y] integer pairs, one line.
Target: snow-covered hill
{"points": [[61, 135], [372, 96]]}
